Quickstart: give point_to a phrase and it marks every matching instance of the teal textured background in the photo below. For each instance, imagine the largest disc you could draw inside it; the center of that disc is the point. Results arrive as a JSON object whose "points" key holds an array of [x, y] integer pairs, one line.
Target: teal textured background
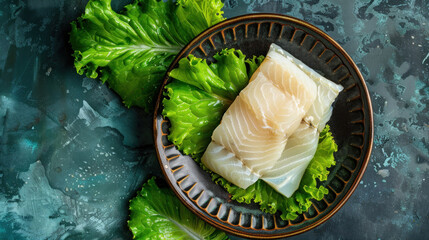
{"points": [[71, 155]]}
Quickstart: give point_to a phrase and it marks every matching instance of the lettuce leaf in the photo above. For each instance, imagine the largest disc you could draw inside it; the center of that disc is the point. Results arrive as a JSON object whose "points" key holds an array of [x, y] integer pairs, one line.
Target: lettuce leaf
{"points": [[271, 201], [196, 114], [156, 213], [132, 50], [200, 94]]}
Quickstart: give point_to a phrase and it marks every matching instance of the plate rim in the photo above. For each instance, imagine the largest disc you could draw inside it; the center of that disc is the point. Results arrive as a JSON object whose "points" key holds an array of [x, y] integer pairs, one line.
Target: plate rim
{"points": [[366, 158]]}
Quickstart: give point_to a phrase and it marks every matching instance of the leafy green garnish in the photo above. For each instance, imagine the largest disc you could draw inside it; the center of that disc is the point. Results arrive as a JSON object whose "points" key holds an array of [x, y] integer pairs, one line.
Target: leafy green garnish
{"points": [[195, 105], [271, 201], [196, 115], [132, 50], [156, 213], [200, 94]]}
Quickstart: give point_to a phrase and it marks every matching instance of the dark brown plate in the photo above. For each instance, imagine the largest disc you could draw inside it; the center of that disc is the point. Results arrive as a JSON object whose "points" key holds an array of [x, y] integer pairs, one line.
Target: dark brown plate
{"points": [[351, 125]]}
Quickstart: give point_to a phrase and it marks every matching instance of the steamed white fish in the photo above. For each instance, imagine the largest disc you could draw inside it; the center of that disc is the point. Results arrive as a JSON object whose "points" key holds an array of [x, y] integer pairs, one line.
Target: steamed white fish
{"points": [[271, 130]]}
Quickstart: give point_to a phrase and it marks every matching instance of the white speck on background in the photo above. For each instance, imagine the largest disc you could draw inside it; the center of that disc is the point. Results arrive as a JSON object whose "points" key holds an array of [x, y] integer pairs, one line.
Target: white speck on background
{"points": [[384, 173], [48, 72], [427, 56]]}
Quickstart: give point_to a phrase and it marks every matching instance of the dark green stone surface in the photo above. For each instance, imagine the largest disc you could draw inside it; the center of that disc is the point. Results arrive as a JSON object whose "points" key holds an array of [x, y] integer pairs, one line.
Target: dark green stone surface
{"points": [[71, 155]]}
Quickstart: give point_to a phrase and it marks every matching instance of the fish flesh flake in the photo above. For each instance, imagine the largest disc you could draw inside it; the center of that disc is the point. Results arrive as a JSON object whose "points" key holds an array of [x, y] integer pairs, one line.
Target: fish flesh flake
{"points": [[229, 165]]}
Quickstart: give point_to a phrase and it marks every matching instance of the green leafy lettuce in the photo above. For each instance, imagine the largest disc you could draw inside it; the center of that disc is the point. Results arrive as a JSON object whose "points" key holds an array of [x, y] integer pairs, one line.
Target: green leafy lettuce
{"points": [[200, 94], [271, 201], [195, 102], [156, 213], [132, 50]]}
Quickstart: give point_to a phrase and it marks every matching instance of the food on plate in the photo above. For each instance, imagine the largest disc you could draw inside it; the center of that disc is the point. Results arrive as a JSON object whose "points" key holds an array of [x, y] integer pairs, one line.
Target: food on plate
{"points": [[132, 50], [156, 213], [194, 111], [272, 126]]}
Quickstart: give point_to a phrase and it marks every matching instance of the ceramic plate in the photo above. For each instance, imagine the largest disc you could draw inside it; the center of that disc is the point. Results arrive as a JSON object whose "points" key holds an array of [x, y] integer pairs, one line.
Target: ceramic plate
{"points": [[351, 125]]}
